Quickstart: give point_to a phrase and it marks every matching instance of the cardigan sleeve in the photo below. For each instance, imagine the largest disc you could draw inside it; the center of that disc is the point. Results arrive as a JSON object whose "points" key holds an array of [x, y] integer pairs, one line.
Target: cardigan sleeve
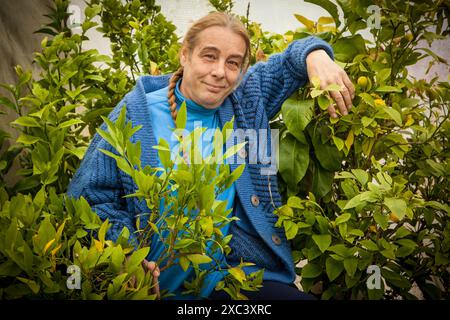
{"points": [[98, 181], [275, 80]]}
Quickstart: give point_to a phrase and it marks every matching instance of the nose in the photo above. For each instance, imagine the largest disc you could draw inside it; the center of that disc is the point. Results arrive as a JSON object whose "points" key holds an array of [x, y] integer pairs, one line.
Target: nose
{"points": [[218, 69]]}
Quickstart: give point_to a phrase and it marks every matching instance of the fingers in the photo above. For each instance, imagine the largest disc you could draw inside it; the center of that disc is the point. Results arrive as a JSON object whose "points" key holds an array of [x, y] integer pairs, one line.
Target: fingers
{"points": [[348, 83], [340, 102], [154, 269], [332, 111], [347, 98], [343, 98]]}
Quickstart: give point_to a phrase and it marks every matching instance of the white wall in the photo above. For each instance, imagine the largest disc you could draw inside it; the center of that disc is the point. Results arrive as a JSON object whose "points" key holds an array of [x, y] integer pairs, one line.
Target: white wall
{"points": [[274, 15]]}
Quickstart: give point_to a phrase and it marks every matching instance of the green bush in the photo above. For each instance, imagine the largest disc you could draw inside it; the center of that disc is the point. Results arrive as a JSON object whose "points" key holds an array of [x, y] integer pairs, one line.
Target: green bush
{"points": [[370, 188], [367, 189]]}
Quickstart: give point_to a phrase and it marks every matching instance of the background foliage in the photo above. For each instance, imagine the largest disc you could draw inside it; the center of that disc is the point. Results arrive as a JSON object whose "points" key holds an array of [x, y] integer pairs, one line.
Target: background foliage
{"points": [[370, 188]]}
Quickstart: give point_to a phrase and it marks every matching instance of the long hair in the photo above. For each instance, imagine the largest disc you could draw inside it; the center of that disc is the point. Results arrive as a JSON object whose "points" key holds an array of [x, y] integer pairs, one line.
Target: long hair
{"points": [[213, 19]]}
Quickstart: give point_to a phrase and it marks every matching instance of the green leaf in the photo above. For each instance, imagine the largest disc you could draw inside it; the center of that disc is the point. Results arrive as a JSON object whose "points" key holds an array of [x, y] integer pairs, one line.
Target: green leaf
{"points": [[341, 250], [367, 121], [323, 241], [137, 257], [233, 150], [334, 268], [361, 176], [327, 154], [184, 263], [397, 206], [345, 49], [102, 232], [291, 229], [322, 181], [330, 7], [197, 258], [402, 232], [31, 284], [236, 174], [311, 270], [338, 142], [350, 265], [394, 114], [181, 116], [206, 197], [324, 102], [305, 21], [294, 160], [385, 89], [69, 123], [362, 198], [164, 153], [369, 244], [26, 121], [183, 243], [382, 75], [27, 139], [238, 274], [367, 98], [295, 202], [343, 218], [407, 243], [297, 114]]}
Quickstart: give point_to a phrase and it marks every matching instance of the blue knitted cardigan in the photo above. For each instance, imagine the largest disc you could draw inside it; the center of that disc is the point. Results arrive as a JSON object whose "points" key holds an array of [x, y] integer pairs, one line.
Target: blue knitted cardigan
{"points": [[255, 101]]}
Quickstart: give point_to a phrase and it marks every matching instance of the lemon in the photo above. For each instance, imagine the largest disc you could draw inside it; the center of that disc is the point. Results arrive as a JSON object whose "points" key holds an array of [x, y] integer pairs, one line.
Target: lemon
{"points": [[362, 81]]}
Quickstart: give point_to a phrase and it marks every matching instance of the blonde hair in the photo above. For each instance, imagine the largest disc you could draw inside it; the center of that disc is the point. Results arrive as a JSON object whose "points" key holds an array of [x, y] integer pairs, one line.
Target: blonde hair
{"points": [[213, 19]]}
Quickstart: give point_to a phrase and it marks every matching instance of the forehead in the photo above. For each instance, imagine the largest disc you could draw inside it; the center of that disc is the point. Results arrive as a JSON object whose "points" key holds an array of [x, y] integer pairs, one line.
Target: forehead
{"points": [[223, 39]]}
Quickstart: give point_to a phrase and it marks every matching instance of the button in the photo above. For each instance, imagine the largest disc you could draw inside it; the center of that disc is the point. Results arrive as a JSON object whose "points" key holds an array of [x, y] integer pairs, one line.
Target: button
{"points": [[255, 200], [276, 239], [242, 153]]}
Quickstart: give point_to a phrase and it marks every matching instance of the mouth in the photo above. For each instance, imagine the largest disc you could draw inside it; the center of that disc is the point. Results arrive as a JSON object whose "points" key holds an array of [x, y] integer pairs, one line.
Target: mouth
{"points": [[214, 88]]}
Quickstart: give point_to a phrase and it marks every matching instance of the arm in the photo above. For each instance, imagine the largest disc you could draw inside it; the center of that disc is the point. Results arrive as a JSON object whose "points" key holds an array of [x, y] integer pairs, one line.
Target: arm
{"points": [[98, 181], [285, 72], [282, 74]]}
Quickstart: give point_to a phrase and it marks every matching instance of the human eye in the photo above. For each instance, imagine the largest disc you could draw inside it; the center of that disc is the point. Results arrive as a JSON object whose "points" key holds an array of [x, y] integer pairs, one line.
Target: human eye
{"points": [[234, 64], [209, 56]]}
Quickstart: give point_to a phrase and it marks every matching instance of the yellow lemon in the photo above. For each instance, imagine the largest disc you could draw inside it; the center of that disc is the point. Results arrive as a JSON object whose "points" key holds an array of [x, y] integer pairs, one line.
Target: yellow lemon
{"points": [[362, 81]]}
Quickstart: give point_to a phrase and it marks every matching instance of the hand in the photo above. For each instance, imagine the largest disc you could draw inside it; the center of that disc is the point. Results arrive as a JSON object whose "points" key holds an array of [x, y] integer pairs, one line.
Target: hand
{"points": [[320, 65], [150, 266]]}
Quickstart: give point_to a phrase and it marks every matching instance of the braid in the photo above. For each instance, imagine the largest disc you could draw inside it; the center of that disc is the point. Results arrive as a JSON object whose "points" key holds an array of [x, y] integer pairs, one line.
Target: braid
{"points": [[171, 95]]}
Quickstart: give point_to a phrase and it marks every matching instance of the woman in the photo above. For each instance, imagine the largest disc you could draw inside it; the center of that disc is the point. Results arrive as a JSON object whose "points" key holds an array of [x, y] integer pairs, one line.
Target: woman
{"points": [[214, 82]]}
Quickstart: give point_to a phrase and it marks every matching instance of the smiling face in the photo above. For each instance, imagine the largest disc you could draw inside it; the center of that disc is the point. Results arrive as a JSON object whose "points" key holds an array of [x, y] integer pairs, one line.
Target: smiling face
{"points": [[212, 69]]}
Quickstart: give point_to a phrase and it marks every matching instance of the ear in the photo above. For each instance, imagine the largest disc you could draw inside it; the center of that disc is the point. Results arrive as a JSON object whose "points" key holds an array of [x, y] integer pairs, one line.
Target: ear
{"points": [[183, 56]]}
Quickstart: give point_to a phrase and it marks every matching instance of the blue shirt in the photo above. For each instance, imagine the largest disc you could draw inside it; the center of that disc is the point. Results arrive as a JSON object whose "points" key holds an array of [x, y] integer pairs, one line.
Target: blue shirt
{"points": [[162, 122]]}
